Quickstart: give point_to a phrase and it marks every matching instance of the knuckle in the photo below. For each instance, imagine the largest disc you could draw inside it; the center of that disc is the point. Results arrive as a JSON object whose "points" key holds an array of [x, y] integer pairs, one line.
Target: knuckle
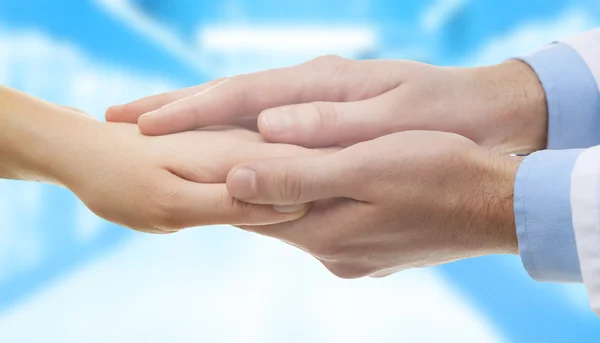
{"points": [[340, 71], [240, 86], [327, 115], [328, 60], [291, 186], [336, 67], [232, 211], [341, 67], [239, 209]]}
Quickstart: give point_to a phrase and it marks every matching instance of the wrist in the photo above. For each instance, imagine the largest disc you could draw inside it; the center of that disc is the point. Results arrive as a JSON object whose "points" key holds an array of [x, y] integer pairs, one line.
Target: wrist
{"points": [[38, 138], [69, 146], [501, 231], [525, 113]]}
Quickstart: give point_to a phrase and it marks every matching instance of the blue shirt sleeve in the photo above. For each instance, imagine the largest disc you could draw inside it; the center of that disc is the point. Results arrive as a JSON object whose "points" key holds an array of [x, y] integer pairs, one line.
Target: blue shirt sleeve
{"points": [[543, 216], [572, 96], [542, 188]]}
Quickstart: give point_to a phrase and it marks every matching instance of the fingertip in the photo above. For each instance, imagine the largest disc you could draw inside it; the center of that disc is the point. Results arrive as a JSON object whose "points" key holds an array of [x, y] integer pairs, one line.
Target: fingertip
{"points": [[242, 183], [278, 125], [112, 113], [274, 122], [296, 124], [125, 113], [264, 130], [148, 126], [166, 120]]}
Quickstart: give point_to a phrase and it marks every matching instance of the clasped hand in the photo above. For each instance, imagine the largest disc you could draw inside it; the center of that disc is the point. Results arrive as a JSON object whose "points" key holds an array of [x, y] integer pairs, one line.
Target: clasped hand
{"points": [[395, 197]]}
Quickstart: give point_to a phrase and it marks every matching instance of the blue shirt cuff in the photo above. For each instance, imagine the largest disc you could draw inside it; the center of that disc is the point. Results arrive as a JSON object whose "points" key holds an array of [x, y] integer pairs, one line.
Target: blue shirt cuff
{"points": [[572, 96], [543, 216]]}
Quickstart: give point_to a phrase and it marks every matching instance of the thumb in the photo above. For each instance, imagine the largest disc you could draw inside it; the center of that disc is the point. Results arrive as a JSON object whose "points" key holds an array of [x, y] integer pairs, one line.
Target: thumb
{"points": [[320, 124], [290, 181]]}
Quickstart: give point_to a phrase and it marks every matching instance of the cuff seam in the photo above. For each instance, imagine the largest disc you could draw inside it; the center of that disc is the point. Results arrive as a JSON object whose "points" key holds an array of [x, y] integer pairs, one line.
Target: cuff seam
{"points": [[534, 271]]}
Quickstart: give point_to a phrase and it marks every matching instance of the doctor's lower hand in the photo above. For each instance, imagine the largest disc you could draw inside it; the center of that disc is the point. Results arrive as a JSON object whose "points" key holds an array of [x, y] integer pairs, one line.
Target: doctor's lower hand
{"points": [[335, 101], [411, 199]]}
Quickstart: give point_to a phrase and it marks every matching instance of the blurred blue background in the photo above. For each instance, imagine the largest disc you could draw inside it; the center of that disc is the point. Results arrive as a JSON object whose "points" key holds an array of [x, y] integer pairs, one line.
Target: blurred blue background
{"points": [[68, 276]]}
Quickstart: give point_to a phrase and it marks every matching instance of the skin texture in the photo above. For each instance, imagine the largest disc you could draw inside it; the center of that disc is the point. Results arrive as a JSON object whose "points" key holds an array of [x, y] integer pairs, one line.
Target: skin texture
{"points": [[151, 184], [410, 199], [334, 101]]}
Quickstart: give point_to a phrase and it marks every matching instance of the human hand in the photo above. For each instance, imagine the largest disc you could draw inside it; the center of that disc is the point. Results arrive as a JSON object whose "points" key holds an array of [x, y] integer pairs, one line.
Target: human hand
{"points": [[335, 101], [410, 199], [154, 184], [163, 184]]}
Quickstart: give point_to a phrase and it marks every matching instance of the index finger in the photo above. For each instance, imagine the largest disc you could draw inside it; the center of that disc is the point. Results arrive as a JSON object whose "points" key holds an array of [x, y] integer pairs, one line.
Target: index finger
{"points": [[130, 112], [245, 96]]}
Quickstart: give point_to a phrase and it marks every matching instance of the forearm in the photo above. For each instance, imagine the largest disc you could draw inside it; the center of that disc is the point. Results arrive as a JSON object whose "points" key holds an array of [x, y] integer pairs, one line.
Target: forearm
{"points": [[36, 137]]}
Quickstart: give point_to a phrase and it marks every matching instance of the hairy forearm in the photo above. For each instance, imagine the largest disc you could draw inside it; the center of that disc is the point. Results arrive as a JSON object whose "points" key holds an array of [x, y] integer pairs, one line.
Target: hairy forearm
{"points": [[497, 206], [36, 137]]}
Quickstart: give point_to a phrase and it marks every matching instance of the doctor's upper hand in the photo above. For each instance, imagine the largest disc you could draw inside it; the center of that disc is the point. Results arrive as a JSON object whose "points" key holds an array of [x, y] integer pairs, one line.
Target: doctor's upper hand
{"points": [[152, 184], [410, 199], [335, 101]]}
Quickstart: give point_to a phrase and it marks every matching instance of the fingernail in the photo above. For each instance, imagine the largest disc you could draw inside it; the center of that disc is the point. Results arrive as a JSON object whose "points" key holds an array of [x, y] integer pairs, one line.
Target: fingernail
{"points": [[278, 121], [289, 208], [242, 184]]}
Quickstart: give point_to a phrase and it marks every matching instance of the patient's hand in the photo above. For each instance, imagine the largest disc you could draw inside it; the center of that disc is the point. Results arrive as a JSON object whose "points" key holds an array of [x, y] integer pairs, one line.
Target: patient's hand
{"points": [[153, 184], [170, 182]]}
